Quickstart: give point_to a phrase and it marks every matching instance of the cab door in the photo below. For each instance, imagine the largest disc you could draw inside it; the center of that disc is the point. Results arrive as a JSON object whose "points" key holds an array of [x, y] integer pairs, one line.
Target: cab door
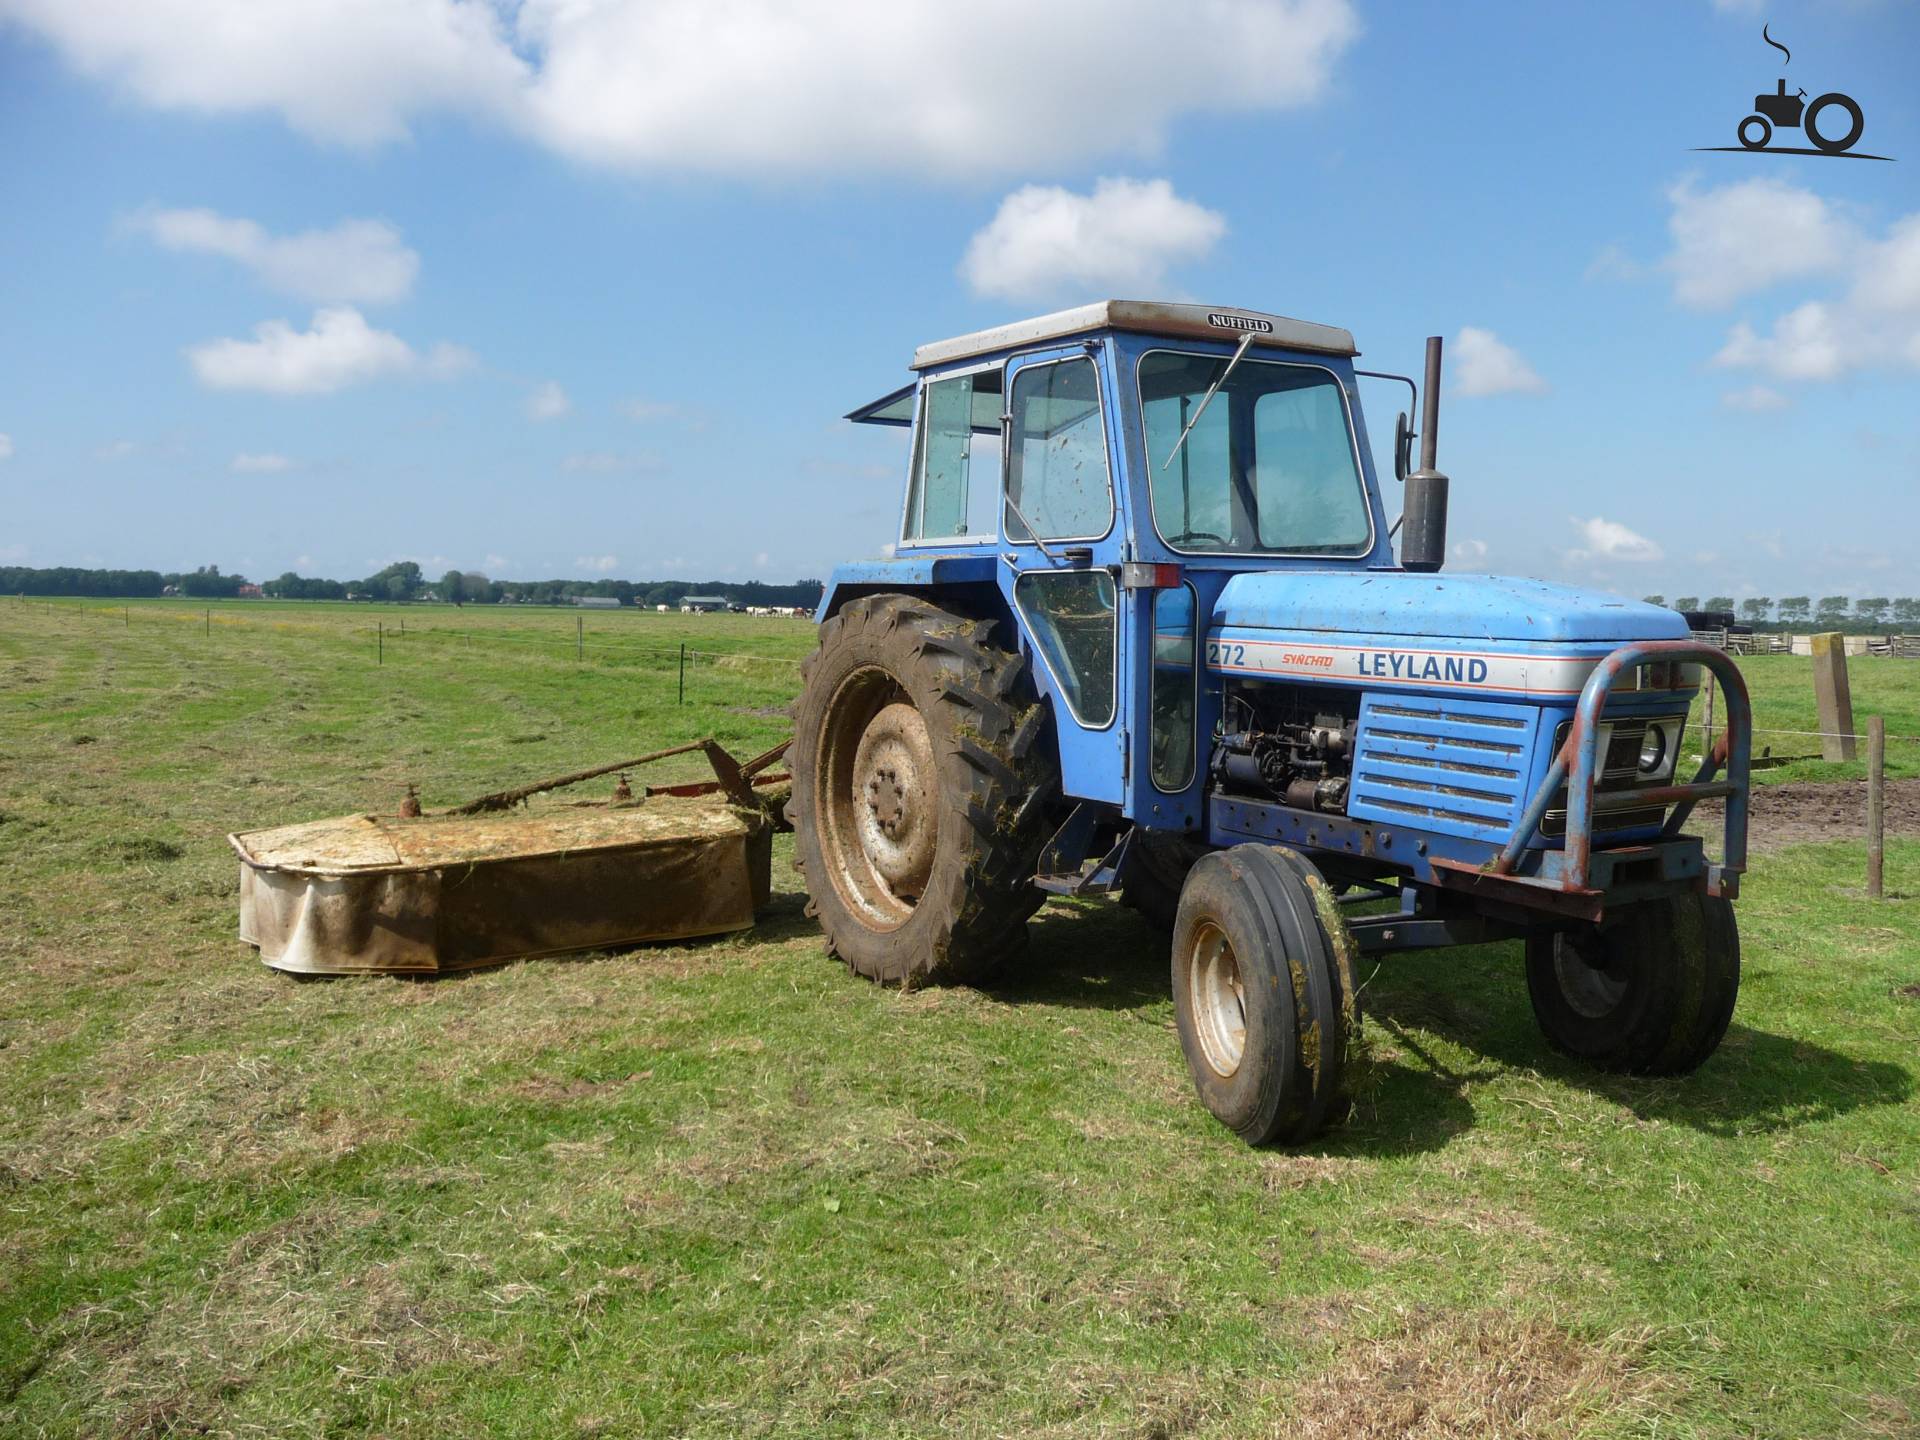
{"points": [[1062, 543]]}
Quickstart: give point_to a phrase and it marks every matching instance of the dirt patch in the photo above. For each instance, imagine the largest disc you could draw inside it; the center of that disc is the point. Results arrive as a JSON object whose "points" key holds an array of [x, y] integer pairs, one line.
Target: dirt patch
{"points": [[1807, 811], [1484, 1373]]}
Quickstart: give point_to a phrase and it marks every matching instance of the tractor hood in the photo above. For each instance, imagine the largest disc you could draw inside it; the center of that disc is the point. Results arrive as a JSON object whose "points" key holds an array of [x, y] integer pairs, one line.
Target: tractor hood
{"points": [[1467, 607]]}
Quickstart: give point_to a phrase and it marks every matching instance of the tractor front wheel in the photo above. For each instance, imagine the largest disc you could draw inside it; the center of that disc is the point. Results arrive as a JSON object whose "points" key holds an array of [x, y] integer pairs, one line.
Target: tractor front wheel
{"points": [[921, 776], [1650, 991], [1264, 994]]}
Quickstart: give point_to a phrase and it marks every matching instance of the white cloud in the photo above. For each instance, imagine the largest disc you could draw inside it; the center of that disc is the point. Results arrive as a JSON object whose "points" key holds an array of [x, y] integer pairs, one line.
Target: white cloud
{"points": [[644, 410], [607, 462], [761, 560], [1873, 324], [6, 446], [261, 464], [1609, 540], [1486, 365], [356, 260], [1613, 263], [1121, 239], [1755, 399], [340, 350], [1735, 240], [118, 450], [353, 72], [601, 563], [752, 86], [1469, 554], [548, 401]]}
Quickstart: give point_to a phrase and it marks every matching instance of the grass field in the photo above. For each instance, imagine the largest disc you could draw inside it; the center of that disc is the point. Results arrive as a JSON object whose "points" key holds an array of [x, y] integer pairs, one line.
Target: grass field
{"points": [[725, 1189]]}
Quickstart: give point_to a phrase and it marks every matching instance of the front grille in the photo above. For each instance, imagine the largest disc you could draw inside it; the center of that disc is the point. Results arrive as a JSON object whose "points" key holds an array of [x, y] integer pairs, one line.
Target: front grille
{"points": [[1453, 766], [1613, 807]]}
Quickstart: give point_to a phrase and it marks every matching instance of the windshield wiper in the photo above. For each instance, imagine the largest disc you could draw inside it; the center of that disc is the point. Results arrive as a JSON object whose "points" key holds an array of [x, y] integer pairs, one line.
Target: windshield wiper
{"points": [[1207, 399]]}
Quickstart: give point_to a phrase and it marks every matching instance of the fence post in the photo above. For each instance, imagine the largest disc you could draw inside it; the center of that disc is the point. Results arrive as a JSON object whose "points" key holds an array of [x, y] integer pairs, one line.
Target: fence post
{"points": [[1876, 805], [1709, 740], [579, 638], [209, 620], [683, 672], [1833, 698], [379, 642], [126, 616]]}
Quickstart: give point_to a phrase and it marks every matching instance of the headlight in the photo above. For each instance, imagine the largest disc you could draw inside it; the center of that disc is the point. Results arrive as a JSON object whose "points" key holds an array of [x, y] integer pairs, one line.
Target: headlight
{"points": [[1660, 747], [1653, 750]]}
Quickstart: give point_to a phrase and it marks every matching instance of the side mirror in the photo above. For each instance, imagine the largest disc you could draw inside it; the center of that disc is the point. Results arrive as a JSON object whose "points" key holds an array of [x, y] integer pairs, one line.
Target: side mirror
{"points": [[1402, 448]]}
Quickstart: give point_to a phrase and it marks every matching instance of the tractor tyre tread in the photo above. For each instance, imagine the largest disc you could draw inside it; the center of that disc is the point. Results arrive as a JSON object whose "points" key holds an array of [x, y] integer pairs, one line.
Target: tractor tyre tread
{"points": [[1679, 959], [977, 701]]}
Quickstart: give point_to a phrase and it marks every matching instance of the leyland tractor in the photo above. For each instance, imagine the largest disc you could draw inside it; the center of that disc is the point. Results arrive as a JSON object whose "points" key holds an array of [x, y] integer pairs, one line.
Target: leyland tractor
{"points": [[1144, 631]]}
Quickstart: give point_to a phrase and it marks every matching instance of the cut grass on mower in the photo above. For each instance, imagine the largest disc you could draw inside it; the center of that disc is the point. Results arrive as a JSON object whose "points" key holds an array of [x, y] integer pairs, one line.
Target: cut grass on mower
{"points": [[726, 1189]]}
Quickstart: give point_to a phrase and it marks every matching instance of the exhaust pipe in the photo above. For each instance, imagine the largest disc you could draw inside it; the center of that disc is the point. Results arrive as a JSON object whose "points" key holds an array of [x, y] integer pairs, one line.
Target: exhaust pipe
{"points": [[1423, 528]]}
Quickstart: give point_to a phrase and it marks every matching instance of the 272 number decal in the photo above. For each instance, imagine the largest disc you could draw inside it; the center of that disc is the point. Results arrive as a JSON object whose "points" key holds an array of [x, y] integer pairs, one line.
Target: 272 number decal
{"points": [[1220, 652]]}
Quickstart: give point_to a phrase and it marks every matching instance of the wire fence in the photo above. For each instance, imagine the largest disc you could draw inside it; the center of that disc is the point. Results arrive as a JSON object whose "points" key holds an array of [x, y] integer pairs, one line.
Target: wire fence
{"points": [[577, 643], [392, 639]]}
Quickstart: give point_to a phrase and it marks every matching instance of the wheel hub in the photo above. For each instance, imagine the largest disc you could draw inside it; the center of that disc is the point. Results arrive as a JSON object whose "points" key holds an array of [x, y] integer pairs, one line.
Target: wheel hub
{"points": [[1218, 998], [1592, 985], [894, 784]]}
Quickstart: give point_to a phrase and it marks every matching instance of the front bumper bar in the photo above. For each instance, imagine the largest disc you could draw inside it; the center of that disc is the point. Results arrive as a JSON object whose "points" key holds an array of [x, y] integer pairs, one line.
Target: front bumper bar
{"points": [[1577, 765]]}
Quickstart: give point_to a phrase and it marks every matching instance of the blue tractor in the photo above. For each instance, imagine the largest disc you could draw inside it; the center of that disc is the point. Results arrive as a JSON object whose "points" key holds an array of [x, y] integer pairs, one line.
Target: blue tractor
{"points": [[1144, 631]]}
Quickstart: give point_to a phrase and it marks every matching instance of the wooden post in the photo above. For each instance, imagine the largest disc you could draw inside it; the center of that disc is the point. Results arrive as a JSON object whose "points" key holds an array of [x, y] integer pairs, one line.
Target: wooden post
{"points": [[126, 616], [579, 638], [683, 672], [1709, 739], [379, 642], [1832, 697], [1876, 805], [209, 620]]}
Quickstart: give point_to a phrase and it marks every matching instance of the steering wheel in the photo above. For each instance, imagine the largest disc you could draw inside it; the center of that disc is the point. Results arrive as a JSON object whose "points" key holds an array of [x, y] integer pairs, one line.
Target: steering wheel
{"points": [[1186, 535]]}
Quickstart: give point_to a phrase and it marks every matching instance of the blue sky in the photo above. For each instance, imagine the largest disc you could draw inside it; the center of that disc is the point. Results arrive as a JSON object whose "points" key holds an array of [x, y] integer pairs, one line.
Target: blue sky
{"points": [[582, 288]]}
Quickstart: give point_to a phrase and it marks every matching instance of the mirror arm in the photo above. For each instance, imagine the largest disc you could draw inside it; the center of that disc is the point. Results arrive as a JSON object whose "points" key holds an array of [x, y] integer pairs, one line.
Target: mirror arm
{"points": [[1413, 405]]}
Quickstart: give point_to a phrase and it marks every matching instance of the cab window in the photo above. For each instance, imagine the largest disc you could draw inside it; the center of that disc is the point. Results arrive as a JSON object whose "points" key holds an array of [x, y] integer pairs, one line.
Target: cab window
{"points": [[955, 484], [1268, 468], [1057, 467]]}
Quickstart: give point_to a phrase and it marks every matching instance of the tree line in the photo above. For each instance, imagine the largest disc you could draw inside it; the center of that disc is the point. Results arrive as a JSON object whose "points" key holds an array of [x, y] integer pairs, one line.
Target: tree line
{"points": [[402, 581], [1829, 612]]}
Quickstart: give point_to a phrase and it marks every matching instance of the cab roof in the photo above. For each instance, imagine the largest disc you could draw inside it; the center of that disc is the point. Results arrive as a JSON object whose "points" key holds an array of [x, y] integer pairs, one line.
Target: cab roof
{"points": [[1151, 317]]}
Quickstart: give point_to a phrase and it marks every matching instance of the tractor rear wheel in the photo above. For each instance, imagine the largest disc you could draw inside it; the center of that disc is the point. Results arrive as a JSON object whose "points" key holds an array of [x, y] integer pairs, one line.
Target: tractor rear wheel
{"points": [[921, 781], [1264, 994], [1650, 991], [1155, 872]]}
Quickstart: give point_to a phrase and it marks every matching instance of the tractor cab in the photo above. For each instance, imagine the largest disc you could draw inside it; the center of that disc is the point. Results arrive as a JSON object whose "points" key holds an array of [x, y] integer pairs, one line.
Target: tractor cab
{"points": [[1105, 471]]}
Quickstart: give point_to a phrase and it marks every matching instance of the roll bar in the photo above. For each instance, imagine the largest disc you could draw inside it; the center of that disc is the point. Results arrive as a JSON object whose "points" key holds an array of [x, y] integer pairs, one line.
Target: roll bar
{"points": [[1577, 766]]}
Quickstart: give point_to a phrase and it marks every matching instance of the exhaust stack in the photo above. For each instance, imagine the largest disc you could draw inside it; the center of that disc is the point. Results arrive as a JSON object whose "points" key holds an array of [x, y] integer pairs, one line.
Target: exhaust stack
{"points": [[1423, 530]]}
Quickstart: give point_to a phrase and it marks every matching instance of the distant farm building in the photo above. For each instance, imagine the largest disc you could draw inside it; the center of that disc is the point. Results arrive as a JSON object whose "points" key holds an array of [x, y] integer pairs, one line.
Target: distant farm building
{"points": [[597, 602], [250, 592], [702, 604]]}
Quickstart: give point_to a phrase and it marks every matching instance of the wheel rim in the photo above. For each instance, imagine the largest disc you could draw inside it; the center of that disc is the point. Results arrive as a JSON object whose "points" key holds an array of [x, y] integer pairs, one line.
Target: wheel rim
{"points": [[1217, 998], [877, 796], [1592, 985]]}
